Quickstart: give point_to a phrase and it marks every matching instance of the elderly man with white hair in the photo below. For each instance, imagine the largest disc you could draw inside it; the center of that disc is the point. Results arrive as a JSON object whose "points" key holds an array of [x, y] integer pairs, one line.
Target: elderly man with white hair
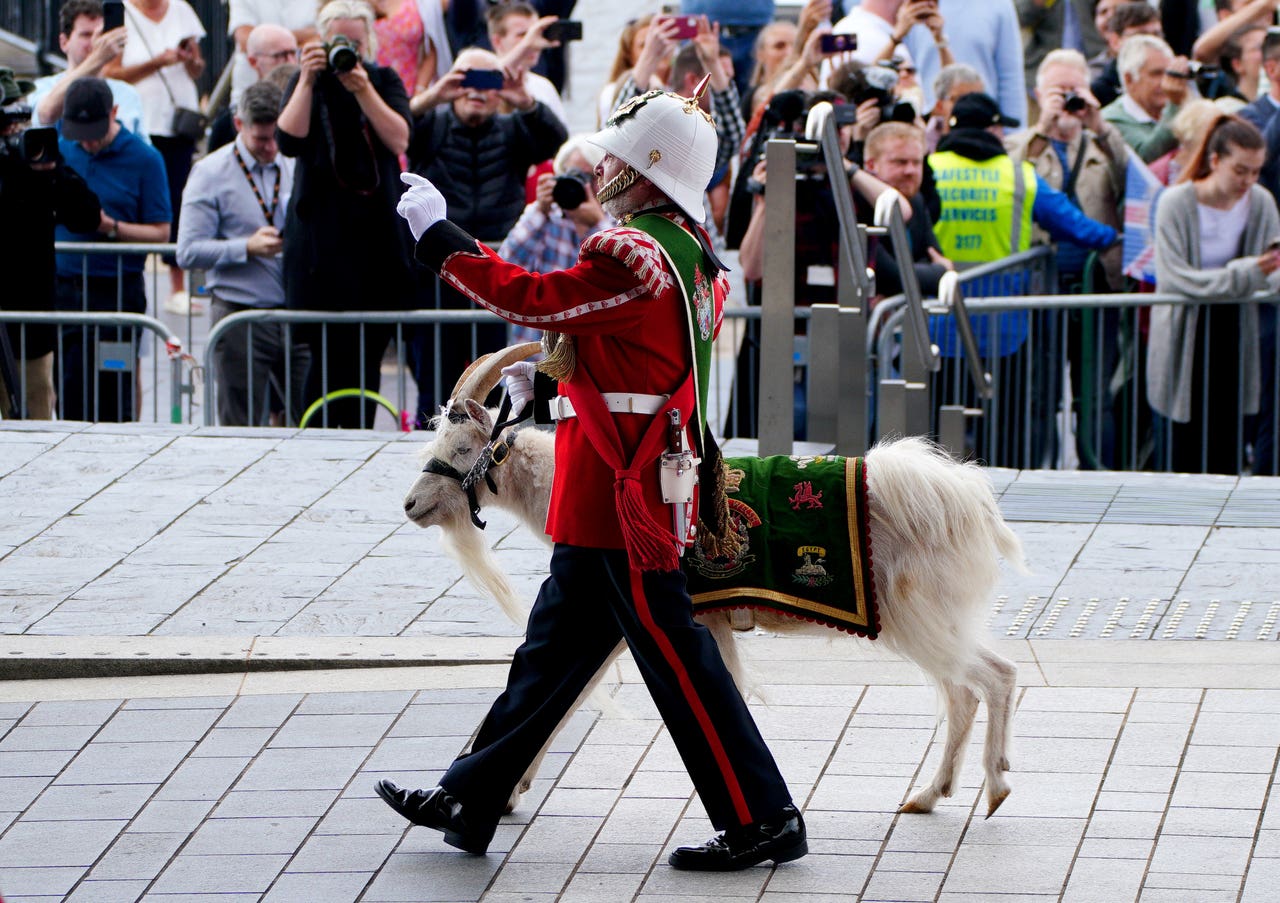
{"points": [[1155, 85]]}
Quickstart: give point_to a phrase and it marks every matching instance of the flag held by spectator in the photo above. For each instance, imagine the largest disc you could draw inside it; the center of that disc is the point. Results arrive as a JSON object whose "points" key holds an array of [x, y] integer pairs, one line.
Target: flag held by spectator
{"points": [[1141, 192]]}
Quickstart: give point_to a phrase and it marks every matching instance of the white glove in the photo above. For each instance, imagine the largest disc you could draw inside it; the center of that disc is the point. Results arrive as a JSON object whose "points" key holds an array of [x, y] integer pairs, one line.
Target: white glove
{"points": [[519, 380], [422, 205]]}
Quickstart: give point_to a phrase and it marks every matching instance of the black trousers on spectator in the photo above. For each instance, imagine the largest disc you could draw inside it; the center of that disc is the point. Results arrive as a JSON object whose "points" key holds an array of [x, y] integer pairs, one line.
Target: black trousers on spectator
{"points": [[1263, 424], [256, 365], [87, 388], [584, 608], [178, 154], [336, 363], [1208, 442]]}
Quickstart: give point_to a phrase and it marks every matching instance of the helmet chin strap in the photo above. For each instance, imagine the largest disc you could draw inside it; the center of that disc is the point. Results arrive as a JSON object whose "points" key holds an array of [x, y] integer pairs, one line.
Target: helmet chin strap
{"points": [[618, 184]]}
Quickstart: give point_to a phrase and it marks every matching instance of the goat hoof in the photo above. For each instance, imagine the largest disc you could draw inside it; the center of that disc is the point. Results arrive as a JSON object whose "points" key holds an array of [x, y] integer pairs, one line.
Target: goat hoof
{"points": [[994, 802], [915, 806]]}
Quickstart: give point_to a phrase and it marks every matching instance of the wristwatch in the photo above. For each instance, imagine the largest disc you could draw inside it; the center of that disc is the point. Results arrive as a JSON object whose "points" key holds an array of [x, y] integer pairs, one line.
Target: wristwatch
{"points": [[114, 232]]}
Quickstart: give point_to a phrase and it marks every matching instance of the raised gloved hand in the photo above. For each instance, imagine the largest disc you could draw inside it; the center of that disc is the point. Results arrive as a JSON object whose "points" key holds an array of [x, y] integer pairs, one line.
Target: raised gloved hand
{"points": [[422, 205], [519, 380]]}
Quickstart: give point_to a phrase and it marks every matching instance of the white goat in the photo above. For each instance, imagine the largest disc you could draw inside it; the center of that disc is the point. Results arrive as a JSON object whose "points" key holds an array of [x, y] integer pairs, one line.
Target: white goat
{"points": [[936, 535]]}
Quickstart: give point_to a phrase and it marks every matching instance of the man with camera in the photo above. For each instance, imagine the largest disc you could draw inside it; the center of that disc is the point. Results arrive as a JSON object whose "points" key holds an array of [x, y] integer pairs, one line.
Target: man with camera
{"points": [[233, 211], [88, 49], [346, 121], [479, 157], [37, 191], [1077, 152], [564, 214]]}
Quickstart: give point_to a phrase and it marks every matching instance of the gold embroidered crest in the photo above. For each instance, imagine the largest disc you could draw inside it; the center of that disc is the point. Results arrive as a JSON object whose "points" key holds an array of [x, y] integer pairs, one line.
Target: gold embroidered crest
{"points": [[631, 107]]}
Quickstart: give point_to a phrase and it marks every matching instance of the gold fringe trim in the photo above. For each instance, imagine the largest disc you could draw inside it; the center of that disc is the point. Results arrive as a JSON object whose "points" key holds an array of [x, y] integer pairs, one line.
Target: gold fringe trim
{"points": [[727, 543], [561, 356]]}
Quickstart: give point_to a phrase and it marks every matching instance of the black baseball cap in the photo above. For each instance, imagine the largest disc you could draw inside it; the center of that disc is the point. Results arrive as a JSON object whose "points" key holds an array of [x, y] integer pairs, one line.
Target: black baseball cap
{"points": [[86, 112], [979, 111]]}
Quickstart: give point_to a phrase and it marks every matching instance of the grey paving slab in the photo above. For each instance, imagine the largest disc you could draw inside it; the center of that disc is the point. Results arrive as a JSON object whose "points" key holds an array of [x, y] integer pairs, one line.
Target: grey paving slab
{"points": [[235, 874], [137, 856], [77, 802]]}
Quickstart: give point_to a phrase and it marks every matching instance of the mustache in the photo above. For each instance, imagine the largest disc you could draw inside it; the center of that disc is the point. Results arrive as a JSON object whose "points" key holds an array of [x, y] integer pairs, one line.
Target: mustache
{"points": [[618, 184]]}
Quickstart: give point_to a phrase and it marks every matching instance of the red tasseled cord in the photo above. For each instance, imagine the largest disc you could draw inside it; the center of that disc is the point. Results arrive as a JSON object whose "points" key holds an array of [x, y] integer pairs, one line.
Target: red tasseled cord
{"points": [[649, 546]]}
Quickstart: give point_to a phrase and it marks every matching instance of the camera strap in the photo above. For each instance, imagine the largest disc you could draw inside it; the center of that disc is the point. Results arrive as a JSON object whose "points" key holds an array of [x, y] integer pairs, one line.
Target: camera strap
{"points": [[1069, 187], [327, 125]]}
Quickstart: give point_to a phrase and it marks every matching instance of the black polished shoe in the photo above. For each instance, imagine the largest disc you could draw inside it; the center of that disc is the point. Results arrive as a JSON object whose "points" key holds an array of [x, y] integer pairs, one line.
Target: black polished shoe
{"points": [[439, 809], [781, 838]]}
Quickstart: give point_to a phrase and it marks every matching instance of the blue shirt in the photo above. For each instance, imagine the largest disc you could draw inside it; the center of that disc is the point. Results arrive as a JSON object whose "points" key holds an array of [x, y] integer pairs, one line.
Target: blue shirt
{"points": [[219, 213], [731, 12], [129, 179]]}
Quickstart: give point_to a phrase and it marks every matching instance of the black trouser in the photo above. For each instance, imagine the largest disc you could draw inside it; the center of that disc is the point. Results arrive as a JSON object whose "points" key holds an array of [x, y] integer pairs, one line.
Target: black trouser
{"points": [[178, 153], [1209, 442], [88, 388], [583, 609], [252, 382]]}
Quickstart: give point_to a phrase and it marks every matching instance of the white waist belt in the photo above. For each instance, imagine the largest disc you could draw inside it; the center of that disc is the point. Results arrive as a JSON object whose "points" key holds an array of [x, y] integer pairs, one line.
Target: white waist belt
{"points": [[616, 402]]}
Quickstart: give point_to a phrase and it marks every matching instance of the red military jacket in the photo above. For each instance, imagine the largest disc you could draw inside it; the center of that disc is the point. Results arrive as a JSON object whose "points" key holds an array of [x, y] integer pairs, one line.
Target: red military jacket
{"points": [[623, 305]]}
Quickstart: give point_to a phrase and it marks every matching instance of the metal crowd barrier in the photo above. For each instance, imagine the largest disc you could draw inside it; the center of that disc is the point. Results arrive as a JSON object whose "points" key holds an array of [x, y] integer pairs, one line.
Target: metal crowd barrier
{"points": [[1069, 390], [397, 391], [111, 356]]}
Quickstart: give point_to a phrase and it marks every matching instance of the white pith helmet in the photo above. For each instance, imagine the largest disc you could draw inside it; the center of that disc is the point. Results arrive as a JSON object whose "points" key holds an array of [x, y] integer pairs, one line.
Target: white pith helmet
{"points": [[669, 140]]}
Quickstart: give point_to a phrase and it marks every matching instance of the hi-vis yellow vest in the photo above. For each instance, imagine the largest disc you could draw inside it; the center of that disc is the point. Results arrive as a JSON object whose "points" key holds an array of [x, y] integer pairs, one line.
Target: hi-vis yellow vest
{"points": [[986, 206]]}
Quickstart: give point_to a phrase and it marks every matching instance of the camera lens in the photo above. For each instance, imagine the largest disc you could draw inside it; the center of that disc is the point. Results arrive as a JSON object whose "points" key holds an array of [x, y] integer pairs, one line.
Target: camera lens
{"points": [[342, 54], [569, 191], [1073, 102]]}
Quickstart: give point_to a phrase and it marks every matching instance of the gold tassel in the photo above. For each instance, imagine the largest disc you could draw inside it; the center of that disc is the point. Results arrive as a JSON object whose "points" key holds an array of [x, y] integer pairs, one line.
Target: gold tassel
{"points": [[561, 356], [727, 543]]}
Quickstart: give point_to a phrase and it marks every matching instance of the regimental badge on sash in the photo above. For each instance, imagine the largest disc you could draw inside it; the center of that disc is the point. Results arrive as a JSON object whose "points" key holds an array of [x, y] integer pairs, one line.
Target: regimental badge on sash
{"points": [[704, 301], [811, 572], [742, 517]]}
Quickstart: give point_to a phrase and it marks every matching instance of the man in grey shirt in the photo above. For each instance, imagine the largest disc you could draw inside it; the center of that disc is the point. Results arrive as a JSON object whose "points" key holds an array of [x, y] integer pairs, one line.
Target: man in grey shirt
{"points": [[232, 211]]}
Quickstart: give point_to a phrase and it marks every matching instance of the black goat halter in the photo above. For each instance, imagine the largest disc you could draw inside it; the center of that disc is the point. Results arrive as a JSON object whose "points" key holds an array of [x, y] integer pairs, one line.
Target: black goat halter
{"points": [[494, 454]]}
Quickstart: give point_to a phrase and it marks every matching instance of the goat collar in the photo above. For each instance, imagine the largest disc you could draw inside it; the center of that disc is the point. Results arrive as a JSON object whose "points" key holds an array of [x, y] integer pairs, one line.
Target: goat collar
{"points": [[494, 454]]}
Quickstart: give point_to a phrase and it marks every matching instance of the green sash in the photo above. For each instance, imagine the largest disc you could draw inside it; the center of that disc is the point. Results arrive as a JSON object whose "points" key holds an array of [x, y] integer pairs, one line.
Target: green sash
{"points": [[806, 545], [684, 254]]}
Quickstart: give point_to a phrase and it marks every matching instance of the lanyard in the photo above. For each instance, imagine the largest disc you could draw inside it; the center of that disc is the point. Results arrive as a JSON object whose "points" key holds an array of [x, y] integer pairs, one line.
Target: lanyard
{"points": [[268, 212]]}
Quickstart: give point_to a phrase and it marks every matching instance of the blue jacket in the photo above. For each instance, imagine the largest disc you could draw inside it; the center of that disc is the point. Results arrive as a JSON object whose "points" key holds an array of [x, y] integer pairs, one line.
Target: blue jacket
{"points": [[1054, 213]]}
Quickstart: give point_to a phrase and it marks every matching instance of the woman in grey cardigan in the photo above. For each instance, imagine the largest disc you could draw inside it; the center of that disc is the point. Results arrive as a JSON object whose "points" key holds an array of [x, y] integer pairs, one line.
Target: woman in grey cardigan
{"points": [[1213, 230]]}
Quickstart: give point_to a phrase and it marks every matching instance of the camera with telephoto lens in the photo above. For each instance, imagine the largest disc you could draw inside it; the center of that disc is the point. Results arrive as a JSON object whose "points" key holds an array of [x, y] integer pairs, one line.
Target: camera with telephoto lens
{"points": [[341, 53], [1073, 102], [27, 145], [570, 189], [875, 83], [32, 146]]}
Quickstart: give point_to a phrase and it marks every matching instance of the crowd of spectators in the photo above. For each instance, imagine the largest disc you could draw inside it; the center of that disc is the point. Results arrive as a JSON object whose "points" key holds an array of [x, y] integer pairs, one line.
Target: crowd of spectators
{"points": [[1002, 124]]}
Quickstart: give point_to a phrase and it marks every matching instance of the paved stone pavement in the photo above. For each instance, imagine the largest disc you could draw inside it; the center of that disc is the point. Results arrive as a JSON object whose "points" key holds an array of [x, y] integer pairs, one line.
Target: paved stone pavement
{"points": [[1143, 770], [174, 532]]}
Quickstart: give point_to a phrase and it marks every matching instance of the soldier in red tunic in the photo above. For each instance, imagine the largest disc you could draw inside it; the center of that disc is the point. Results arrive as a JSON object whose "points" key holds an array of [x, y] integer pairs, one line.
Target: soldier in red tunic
{"points": [[636, 317]]}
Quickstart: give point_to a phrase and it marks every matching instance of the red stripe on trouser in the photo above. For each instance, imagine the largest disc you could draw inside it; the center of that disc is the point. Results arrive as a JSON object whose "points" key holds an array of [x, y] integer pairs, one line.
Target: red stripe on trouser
{"points": [[691, 697]]}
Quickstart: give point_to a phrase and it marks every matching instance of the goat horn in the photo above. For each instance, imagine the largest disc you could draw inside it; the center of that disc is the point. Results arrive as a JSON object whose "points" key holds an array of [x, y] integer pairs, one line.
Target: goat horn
{"points": [[479, 379]]}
